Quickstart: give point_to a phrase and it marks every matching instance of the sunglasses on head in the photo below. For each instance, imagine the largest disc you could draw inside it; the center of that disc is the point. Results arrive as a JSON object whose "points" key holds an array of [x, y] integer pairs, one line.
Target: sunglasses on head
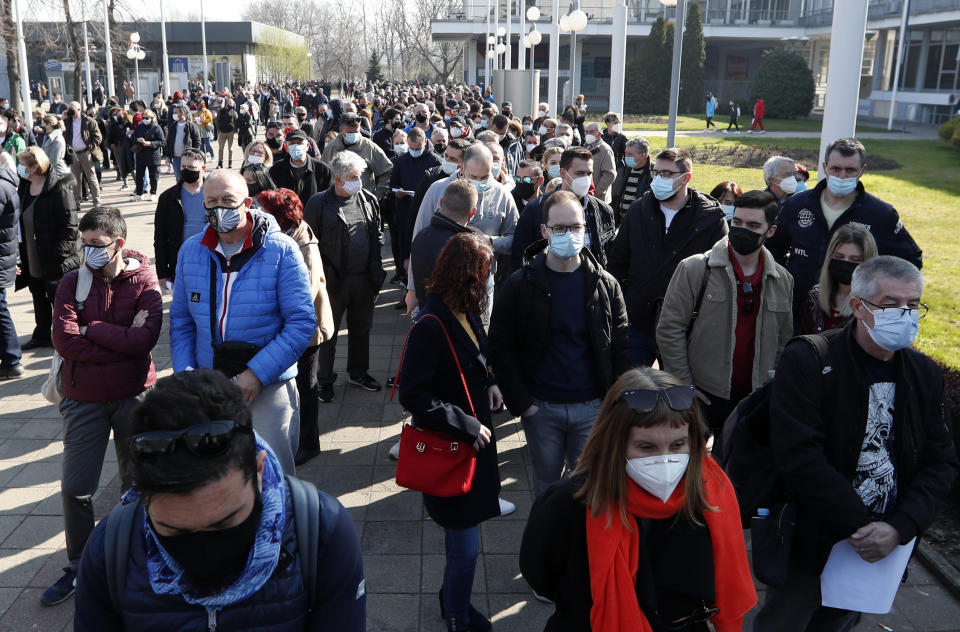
{"points": [[644, 400], [207, 439]]}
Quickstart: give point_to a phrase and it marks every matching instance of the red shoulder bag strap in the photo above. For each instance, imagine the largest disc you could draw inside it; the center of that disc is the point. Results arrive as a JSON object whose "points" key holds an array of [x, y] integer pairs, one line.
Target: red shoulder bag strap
{"points": [[463, 379]]}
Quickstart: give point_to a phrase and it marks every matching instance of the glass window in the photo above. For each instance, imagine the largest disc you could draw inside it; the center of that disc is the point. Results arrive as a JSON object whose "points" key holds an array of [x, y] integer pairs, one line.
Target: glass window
{"points": [[911, 66], [932, 71]]}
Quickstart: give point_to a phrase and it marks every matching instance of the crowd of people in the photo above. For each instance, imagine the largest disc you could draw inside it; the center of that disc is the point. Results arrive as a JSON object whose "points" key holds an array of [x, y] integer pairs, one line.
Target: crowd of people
{"points": [[548, 262]]}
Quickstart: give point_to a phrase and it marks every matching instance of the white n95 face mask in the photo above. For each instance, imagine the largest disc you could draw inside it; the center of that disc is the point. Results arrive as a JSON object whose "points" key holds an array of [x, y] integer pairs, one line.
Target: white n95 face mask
{"points": [[658, 475]]}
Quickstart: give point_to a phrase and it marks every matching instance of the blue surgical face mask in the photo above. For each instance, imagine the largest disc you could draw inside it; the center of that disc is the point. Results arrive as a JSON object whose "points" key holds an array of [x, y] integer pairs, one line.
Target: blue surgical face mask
{"points": [[297, 152], [727, 211], [416, 153], [495, 169], [842, 187], [448, 167], [553, 171], [351, 137], [801, 186], [892, 328], [481, 185], [399, 149], [22, 172], [566, 245], [663, 188], [631, 162]]}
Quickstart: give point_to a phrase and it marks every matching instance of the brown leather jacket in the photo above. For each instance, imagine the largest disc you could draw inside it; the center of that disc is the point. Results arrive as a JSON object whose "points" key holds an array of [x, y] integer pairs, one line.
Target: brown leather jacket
{"points": [[89, 132]]}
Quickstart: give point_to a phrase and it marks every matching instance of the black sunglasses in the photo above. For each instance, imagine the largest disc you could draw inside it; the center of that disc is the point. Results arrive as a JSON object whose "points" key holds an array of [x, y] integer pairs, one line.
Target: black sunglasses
{"points": [[210, 438], [645, 399], [748, 294]]}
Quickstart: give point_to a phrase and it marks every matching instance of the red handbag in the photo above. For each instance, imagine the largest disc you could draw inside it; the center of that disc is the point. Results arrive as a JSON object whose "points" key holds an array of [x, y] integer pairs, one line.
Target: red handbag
{"points": [[431, 462]]}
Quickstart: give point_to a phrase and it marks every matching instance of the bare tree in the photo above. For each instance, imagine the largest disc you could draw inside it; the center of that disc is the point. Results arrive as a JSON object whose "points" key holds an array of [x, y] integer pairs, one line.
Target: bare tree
{"points": [[13, 61]]}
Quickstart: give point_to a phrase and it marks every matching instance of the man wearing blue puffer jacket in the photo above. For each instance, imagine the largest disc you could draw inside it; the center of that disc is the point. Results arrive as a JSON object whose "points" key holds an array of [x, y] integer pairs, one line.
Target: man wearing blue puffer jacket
{"points": [[212, 536], [260, 318]]}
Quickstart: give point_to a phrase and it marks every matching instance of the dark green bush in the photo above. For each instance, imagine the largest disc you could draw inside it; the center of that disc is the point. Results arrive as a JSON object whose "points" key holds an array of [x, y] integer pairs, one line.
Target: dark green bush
{"points": [[949, 129], [786, 85]]}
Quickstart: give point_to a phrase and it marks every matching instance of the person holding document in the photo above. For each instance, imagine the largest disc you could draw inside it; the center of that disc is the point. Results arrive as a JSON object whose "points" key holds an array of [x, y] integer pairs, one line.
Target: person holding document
{"points": [[862, 441]]}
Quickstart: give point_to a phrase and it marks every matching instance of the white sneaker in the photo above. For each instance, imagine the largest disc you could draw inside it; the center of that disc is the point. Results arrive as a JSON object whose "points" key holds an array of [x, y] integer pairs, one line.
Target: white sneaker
{"points": [[725, 131], [395, 451], [763, 131], [749, 131], [147, 197], [134, 198], [506, 507]]}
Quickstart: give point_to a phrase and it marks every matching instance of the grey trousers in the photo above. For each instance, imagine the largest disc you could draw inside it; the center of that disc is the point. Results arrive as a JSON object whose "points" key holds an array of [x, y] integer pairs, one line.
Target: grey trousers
{"points": [[83, 166], [86, 431], [795, 607], [276, 418]]}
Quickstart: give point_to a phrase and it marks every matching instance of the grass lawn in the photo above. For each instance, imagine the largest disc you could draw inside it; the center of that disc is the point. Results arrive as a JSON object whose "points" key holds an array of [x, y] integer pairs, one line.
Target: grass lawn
{"points": [[926, 193], [695, 123]]}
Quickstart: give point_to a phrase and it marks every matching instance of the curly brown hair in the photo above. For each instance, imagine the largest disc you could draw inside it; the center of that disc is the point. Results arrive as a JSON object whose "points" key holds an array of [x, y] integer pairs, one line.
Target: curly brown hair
{"points": [[461, 274]]}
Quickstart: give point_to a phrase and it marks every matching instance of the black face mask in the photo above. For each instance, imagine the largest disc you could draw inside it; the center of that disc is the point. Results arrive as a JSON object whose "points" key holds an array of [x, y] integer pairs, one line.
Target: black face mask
{"points": [[189, 175], [212, 560], [254, 189], [526, 190], [841, 271], [274, 143], [301, 117], [744, 240], [439, 148], [421, 118]]}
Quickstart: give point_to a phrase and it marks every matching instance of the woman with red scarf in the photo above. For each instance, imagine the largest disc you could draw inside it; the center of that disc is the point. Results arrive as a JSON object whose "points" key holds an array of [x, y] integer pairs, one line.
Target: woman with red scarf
{"points": [[645, 535]]}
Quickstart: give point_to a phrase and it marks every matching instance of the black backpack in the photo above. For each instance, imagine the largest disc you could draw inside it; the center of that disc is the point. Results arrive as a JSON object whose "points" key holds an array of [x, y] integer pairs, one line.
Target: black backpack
{"points": [[746, 455], [313, 523]]}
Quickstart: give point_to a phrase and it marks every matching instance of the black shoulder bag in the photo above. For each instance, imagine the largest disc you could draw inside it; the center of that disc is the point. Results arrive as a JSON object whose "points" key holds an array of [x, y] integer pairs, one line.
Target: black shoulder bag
{"points": [[230, 357], [703, 290]]}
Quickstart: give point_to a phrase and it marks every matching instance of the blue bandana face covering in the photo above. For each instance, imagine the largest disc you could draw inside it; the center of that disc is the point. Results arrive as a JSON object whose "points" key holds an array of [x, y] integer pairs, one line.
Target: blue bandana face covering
{"points": [[167, 577]]}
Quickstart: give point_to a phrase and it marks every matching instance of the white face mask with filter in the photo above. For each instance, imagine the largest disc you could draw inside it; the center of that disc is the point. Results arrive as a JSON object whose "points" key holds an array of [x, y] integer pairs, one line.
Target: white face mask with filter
{"points": [[658, 475]]}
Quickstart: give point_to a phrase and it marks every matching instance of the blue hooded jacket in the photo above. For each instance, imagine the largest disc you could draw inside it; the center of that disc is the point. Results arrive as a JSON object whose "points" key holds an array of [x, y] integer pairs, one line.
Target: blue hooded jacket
{"points": [[269, 301]]}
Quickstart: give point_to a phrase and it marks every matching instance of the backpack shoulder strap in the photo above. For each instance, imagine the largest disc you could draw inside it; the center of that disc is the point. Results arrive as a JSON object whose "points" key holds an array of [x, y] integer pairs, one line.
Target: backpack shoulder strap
{"points": [[84, 282], [821, 345], [703, 290], [307, 520], [119, 532]]}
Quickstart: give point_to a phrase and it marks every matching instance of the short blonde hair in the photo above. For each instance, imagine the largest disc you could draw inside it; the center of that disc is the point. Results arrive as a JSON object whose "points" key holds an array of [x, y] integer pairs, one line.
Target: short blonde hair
{"points": [[267, 154], [35, 157], [53, 121]]}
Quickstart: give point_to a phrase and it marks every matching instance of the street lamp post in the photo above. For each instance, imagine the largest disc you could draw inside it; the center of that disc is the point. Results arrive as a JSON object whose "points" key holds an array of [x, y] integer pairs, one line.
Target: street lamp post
{"points": [[86, 63], [675, 71], [574, 22], [111, 91], [136, 53], [163, 44], [533, 38], [24, 68], [553, 71]]}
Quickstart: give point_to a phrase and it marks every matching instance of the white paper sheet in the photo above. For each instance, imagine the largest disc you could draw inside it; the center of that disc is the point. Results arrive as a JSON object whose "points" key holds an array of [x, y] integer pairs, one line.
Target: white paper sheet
{"points": [[850, 583]]}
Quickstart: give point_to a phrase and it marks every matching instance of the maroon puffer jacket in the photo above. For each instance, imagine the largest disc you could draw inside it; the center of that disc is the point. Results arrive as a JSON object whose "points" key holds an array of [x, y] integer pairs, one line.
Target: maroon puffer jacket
{"points": [[112, 360]]}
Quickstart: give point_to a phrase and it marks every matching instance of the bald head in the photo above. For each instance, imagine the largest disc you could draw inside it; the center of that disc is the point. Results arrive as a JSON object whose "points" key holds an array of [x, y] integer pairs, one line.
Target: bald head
{"points": [[224, 187], [478, 155]]}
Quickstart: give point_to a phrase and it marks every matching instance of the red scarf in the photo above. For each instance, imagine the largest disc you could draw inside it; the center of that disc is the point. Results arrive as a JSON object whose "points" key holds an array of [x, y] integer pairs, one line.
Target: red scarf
{"points": [[613, 553]]}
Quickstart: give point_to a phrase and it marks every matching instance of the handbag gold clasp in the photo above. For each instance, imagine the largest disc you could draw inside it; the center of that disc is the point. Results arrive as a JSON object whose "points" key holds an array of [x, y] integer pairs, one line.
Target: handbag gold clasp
{"points": [[454, 446], [421, 446]]}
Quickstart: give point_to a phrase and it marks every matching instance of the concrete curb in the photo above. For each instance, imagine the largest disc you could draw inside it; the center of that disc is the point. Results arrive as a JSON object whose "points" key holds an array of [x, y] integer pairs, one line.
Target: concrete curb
{"points": [[940, 566]]}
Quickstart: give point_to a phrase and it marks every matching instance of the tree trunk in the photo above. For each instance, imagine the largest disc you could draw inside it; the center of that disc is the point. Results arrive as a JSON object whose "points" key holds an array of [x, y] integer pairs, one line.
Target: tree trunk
{"points": [[13, 60], [77, 56]]}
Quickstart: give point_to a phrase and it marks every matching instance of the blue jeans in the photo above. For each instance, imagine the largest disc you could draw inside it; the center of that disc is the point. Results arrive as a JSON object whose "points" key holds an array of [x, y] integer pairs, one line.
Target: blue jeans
{"points": [[208, 148], [176, 167], [9, 343], [556, 434], [643, 348], [463, 549]]}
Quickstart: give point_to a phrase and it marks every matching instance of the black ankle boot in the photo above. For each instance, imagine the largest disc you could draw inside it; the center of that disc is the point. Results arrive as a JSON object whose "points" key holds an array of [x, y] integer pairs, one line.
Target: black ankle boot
{"points": [[478, 622]]}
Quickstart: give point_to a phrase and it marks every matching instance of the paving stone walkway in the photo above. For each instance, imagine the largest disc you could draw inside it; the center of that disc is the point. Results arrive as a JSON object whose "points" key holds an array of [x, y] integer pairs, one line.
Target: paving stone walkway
{"points": [[403, 549]]}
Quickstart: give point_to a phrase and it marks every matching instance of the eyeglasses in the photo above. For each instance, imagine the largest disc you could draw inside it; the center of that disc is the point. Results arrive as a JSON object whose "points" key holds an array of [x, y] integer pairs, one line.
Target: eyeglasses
{"points": [[210, 438], [748, 293], [666, 173], [523, 179], [701, 615], [645, 399], [921, 308], [560, 230]]}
